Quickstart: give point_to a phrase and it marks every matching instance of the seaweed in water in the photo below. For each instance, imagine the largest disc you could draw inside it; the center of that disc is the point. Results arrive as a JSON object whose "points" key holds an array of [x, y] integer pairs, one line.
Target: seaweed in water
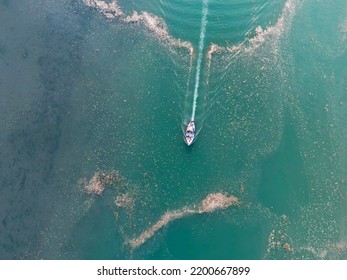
{"points": [[101, 179]]}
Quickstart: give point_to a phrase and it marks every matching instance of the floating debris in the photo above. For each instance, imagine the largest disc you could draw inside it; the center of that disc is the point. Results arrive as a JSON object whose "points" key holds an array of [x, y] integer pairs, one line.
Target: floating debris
{"points": [[212, 202], [124, 201], [100, 180]]}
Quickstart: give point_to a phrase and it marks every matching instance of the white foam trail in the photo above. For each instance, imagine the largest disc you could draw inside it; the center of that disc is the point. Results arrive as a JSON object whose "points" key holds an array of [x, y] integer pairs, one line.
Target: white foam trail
{"points": [[153, 23], [343, 29], [212, 202], [200, 55]]}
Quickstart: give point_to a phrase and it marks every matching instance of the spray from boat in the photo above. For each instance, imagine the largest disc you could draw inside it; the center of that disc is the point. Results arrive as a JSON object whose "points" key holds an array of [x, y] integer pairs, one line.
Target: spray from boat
{"points": [[190, 130]]}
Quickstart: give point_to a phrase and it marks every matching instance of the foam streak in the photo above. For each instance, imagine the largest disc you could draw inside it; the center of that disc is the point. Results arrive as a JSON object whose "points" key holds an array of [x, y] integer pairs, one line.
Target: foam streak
{"points": [[200, 55]]}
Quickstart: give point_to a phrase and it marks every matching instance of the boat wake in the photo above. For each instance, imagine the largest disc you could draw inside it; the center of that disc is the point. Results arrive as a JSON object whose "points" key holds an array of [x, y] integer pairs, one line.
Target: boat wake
{"points": [[200, 55], [264, 46], [189, 131], [158, 27]]}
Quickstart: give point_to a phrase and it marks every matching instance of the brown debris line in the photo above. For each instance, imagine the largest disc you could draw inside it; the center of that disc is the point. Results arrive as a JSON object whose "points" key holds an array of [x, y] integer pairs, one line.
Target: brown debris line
{"points": [[212, 202], [112, 10], [100, 180], [215, 201], [164, 220]]}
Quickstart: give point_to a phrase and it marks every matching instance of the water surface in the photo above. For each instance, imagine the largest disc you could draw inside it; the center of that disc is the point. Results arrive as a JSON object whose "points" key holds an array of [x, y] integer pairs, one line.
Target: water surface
{"points": [[82, 93]]}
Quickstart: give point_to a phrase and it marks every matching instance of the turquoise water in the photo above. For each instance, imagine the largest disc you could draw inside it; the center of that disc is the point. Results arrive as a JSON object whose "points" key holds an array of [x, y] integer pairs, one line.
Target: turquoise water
{"points": [[82, 93]]}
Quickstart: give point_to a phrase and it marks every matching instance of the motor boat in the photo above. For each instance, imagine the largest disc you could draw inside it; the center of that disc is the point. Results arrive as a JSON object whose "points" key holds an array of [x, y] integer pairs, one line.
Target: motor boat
{"points": [[190, 133]]}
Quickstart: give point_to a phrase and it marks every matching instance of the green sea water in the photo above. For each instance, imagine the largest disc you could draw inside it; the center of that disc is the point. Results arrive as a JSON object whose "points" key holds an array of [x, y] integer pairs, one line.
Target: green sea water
{"points": [[81, 92]]}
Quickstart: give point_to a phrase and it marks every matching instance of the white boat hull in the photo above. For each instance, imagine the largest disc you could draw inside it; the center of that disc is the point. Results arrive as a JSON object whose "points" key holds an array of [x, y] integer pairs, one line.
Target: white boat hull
{"points": [[189, 135]]}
